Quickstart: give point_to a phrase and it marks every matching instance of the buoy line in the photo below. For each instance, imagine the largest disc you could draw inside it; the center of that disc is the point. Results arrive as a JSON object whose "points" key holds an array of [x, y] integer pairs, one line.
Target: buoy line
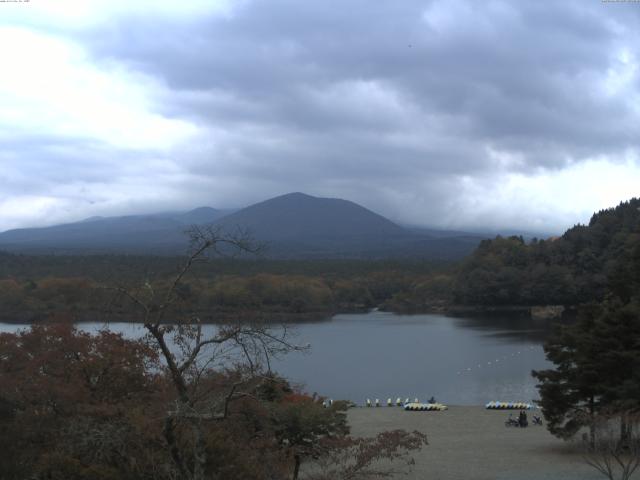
{"points": [[416, 405], [493, 362]]}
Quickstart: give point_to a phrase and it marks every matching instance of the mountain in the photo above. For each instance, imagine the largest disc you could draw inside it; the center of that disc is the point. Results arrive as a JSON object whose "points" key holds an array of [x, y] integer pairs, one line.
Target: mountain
{"points": [[202, 215], [297, 216], [160, 232], [298, 225], [292, 226]]}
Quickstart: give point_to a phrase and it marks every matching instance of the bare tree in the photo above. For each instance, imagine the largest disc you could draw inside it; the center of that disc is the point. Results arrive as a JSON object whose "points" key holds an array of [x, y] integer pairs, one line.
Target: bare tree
{"points": [[614, 450], [191, 352]]}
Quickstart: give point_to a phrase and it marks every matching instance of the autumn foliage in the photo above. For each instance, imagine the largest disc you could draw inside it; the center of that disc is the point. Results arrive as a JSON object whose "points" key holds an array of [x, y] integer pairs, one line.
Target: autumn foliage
{"points": [[77, 406]]}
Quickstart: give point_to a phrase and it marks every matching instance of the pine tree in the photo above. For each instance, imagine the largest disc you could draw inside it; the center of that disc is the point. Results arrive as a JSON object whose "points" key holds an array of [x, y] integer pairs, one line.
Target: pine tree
{"points": [[597, 368], [569, 395]]}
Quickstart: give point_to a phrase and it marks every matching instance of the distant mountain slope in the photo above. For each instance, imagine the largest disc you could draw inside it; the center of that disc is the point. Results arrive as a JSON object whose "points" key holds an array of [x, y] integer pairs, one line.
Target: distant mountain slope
{"points": [[297, 216], [202, 215], [293, 226], [162, 231]]}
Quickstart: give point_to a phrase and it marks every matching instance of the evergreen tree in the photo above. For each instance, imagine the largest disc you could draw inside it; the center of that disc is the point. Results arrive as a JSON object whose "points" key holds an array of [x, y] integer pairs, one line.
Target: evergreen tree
{"points": [[569, 395], [597, 368]]}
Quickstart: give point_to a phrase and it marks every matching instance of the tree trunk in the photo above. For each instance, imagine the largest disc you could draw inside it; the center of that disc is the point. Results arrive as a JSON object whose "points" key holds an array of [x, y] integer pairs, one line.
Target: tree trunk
{"points": [[625, 431], [168, 431], [199, 451], [296, 467], [592, 423]]}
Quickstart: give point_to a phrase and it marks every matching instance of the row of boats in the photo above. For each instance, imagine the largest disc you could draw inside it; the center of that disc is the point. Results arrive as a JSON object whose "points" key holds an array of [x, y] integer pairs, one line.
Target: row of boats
{"points": [[422, 407], [391, 403], [432, 405], [416, 405], [508, 406]]}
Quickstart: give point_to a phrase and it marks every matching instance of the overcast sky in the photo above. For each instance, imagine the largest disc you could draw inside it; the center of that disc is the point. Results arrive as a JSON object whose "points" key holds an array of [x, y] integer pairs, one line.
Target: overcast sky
{"points": [[455, 114]]}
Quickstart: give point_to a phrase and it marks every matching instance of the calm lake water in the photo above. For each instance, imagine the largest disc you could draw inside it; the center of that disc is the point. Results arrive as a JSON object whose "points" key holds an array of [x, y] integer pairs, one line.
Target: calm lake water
{"points": [[460, 361]]}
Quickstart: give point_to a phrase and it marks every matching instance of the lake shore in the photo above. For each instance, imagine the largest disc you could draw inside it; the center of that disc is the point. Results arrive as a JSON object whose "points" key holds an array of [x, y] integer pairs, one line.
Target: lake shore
{"points": [[470, 442]]}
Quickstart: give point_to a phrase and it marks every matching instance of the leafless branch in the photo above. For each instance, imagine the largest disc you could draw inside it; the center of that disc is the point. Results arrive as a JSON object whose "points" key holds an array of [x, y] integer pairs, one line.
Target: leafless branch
{"points": [[611, 452]]}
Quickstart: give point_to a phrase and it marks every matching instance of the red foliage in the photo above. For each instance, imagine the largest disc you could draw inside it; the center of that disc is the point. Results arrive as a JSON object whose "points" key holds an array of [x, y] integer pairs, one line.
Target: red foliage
{"points": [[297, 398], [61, 385]]}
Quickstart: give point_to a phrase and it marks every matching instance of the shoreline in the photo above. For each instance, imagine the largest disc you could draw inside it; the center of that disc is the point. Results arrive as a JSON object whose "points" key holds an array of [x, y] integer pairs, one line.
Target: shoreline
{"points": [[275, 317]]}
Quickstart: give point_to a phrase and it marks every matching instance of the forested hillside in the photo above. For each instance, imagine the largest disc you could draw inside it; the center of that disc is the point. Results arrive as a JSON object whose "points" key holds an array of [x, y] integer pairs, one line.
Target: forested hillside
{"points": [[575, 268]]}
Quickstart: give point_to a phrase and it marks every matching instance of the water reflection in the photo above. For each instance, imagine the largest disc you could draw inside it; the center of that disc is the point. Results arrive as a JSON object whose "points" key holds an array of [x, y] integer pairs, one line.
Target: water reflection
{"points": [[509, 327], [458, 360]]}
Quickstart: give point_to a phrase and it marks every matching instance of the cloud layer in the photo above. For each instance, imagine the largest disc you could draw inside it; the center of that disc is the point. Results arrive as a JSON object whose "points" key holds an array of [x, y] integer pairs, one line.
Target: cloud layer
{"points": [[443, 113]]}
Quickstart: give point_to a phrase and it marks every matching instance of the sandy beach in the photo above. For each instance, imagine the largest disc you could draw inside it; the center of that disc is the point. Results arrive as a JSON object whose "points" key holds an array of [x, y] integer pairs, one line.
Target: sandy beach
{"points": [[473, 443]]}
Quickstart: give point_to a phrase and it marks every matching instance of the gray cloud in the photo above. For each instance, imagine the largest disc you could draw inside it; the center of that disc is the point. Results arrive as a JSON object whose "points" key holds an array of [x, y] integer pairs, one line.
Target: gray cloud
{"points": [[397, 105]]}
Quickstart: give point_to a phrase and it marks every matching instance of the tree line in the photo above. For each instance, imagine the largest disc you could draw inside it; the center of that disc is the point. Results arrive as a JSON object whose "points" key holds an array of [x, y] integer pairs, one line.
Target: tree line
{"points": [[594, 387], [576, 268], [215, 296]]}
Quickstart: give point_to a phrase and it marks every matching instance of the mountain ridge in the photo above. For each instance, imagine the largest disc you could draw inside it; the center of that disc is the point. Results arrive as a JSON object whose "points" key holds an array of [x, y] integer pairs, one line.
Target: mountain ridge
{"points": [[294, 225]]}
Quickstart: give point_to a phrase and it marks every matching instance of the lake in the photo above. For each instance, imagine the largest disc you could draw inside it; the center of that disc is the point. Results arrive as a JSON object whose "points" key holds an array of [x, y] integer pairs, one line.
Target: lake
{"points": [[459, 361]]}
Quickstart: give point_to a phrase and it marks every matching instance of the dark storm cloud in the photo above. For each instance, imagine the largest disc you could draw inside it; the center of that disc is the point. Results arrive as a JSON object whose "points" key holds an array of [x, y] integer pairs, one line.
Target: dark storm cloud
{"points": [[522, 76], [384, 102]]}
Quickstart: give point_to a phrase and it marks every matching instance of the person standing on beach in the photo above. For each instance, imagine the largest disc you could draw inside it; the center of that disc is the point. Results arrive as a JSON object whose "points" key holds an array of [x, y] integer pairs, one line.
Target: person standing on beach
{"points": [[522, 419]]}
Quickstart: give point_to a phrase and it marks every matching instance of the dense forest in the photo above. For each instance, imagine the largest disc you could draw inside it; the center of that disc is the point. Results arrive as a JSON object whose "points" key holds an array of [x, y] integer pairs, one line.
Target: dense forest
{"points": [[34, 288], [595, 382], [572, 269], [503, 272]]}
